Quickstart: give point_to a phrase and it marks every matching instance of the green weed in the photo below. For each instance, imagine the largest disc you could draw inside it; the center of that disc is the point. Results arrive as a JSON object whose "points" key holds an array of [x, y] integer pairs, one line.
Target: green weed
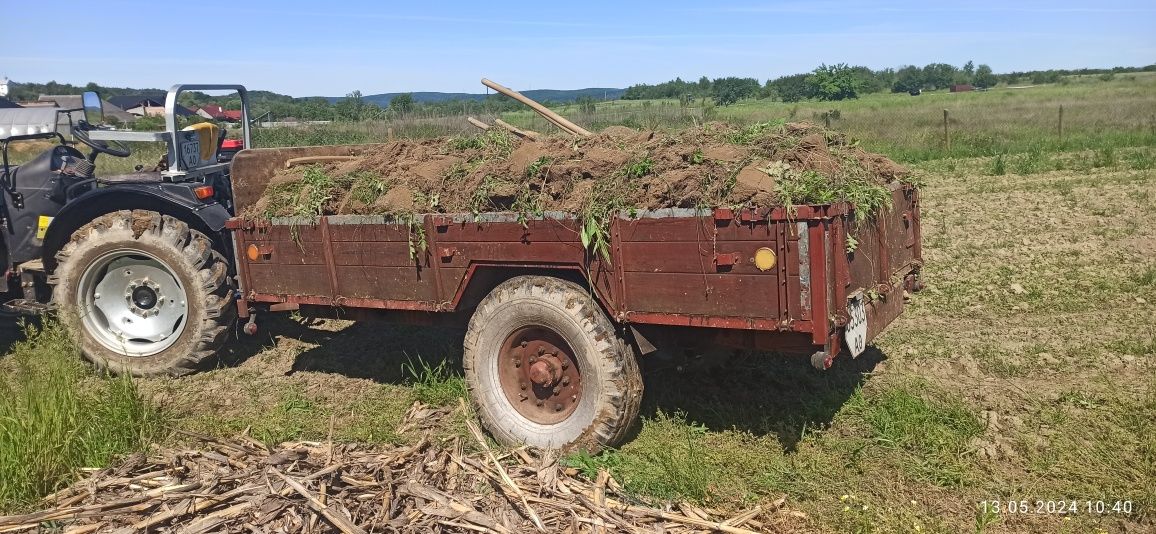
{"points": [[590, 464], [367, 187], [535, 168], [439, 385], [998, 166], [55, 417], [1104, 157], [753, 132], [809, 187], [639, 168], [1142, 160], [931, 430]]}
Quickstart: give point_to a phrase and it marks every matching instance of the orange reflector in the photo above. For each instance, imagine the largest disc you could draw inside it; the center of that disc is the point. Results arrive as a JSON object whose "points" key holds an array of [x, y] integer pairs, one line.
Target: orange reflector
{"points": [[252, 253], [203, 191]]}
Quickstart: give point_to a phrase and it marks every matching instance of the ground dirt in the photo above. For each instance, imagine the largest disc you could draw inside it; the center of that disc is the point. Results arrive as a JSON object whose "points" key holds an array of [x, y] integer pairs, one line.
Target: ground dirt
{"points": [[712, 165]]}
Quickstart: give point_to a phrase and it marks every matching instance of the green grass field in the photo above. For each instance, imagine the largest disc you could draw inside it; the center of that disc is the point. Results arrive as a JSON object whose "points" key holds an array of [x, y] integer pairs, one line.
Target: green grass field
{"points": [[1026, 371]]}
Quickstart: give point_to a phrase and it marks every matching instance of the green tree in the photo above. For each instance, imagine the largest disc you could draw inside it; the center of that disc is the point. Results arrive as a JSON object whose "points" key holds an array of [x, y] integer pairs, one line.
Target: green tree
{"points": [[791, 88], [727, 91], [351, 107], [969, 70], [983, 77], [833, 82], [703, 86], [907, 79], [939, 75], [402, 104]]}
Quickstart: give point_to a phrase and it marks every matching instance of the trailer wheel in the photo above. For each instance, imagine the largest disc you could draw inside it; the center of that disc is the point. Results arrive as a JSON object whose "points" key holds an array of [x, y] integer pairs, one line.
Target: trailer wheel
{"points": [[143, 294], [544, 367]]}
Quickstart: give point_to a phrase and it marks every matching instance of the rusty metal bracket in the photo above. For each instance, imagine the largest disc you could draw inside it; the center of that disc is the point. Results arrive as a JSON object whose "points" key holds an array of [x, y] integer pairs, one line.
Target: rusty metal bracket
{"points": [[726, 260], [723, 215]]}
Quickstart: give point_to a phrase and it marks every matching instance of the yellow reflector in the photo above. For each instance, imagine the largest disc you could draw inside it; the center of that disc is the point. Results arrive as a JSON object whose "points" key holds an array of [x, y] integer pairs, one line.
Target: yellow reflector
{"points": [[252, 253], [203, 191], [42, 224], [764, 259]]}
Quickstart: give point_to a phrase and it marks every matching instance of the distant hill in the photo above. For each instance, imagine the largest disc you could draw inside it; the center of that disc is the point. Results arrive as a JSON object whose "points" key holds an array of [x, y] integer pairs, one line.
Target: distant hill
{"points": [[541, 95]]}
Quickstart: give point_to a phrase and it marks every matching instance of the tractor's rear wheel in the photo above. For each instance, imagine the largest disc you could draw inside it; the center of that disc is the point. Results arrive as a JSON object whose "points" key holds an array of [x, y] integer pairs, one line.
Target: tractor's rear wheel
{"points": [[545, 367], [144, 294]]}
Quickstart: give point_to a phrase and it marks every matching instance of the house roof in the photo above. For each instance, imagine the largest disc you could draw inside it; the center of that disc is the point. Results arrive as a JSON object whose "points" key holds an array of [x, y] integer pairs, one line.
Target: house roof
{"points": [[77, 102], [134, 101], [219, 113]]}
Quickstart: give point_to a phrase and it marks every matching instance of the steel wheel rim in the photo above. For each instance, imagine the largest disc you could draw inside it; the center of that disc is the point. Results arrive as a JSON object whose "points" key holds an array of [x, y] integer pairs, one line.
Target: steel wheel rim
{"points": [[539, 375], [131, 303]]}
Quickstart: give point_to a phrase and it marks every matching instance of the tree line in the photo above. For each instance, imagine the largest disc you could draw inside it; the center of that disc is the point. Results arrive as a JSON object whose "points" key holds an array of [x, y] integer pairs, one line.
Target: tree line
{"points": [[842, 81], [825, 82]]}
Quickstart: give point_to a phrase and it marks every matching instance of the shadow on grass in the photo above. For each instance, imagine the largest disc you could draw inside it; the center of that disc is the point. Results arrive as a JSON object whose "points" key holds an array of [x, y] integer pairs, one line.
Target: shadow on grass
{"points": [[760, 393], [377, 351], [12, 330]]}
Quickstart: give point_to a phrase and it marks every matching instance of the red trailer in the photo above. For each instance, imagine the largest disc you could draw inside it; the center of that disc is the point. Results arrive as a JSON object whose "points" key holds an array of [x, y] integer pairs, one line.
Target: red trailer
{"points": [[554, 330]]}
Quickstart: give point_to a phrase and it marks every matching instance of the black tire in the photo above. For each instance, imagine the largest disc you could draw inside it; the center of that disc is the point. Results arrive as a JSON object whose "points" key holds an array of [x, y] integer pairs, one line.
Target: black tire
{"points": [[187, 256], [609, 386]]}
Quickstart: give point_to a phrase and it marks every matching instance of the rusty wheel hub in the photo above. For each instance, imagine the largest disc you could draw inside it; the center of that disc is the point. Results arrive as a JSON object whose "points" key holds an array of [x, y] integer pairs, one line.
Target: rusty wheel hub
{"points": [[539, 375]]}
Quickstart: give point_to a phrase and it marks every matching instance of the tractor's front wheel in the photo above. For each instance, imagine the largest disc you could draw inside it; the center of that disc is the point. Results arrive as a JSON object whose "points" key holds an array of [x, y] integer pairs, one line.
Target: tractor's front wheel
{"points": [[144, 294]]}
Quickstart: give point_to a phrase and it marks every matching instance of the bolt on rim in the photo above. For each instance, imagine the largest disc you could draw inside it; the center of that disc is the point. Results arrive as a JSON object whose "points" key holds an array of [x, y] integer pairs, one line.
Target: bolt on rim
{"points": [[131, 303], [539, 375]]}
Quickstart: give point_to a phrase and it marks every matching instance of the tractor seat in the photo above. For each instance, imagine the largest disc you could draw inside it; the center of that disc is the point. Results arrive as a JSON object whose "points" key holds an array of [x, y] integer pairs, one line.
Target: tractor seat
{"points": [[151, 177]]}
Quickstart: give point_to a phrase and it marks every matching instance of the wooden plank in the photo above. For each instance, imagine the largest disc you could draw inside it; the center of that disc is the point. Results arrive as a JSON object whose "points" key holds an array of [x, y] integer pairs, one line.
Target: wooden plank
{"points": [[389, 283], [372, 253], [691, 257], [289, 279], [702, 294]]}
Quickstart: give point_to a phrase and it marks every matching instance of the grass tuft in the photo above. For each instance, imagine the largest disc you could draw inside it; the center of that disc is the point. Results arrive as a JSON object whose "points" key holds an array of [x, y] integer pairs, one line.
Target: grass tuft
{"points": [[439, 385], [931, 430], [56, 417]]}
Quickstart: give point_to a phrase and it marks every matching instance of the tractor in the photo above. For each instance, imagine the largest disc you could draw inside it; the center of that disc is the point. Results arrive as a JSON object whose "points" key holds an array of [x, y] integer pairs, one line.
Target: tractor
{"points": [[137, 265]]}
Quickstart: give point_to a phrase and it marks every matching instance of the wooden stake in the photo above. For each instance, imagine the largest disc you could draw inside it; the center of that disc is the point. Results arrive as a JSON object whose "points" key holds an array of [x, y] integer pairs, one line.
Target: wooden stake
{"points": [[534, 136], [478, 123], [555, 118], [1061, 125], [946, 133]]}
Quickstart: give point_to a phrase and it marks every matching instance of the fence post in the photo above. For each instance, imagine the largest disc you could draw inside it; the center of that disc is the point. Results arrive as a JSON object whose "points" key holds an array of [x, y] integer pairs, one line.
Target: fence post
{"points": [[1061, 123], [946, 133], [389, 134]]}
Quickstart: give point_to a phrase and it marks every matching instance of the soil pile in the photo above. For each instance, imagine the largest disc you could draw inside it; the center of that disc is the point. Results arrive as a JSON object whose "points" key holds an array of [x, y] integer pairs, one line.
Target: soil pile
{"points": [[620, 168], [452, 485]]}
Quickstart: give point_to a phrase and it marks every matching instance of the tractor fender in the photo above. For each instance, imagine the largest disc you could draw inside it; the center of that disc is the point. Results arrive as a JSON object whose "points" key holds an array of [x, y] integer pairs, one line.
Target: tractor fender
{"points": [[175, 200]]}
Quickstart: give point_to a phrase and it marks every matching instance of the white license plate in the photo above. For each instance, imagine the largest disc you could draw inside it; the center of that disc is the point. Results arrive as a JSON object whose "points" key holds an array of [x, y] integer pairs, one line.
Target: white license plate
{"points": [[856, 331], [191, 153]]}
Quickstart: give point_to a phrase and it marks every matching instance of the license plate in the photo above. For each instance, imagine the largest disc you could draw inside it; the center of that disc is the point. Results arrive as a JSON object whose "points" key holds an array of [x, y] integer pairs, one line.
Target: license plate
{"points": [[856, 331], [191, 153]]}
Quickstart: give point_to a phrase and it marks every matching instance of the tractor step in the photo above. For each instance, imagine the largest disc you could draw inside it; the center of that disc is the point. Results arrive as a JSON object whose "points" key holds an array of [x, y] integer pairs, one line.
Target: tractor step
{"points": [[26, 307]]}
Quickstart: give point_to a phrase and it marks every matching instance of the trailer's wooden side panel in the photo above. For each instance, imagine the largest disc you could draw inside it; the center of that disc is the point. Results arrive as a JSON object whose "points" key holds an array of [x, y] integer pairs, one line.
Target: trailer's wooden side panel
{"points": [[665, 268], [252, 169], [887, 245], [701, 266]]}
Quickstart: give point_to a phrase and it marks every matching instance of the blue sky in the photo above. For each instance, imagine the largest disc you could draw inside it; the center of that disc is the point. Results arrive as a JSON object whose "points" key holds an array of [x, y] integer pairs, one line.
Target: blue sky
{"points": [[331, 48]]}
